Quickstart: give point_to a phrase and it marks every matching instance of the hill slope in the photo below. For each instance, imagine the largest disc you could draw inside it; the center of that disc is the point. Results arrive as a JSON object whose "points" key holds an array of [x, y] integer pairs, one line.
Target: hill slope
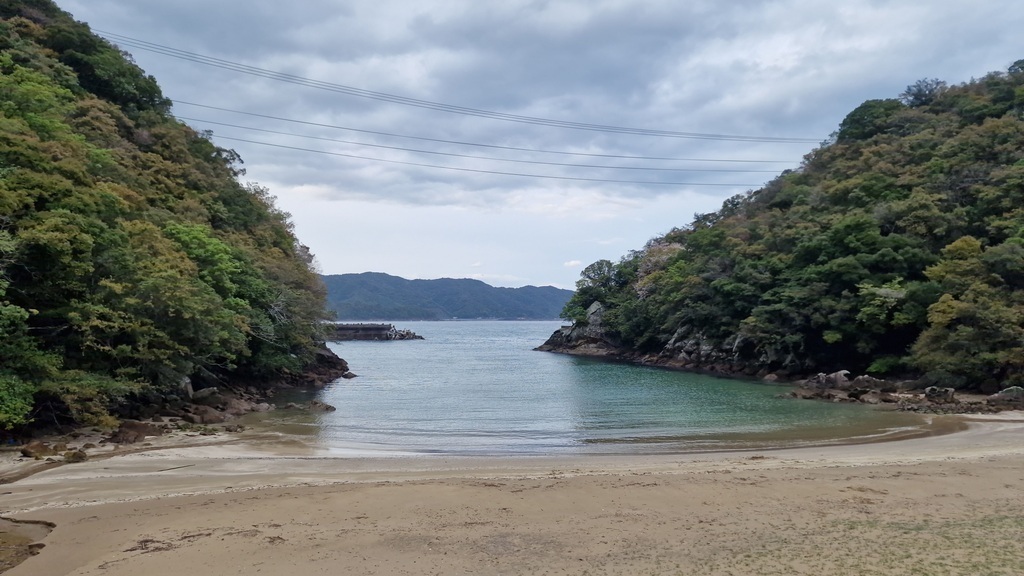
{"points": [[897, 248], [377, 296], [130, 255]]}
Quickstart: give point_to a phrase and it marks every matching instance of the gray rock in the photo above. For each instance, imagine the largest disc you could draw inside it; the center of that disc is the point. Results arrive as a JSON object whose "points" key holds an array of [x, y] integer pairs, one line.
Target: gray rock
{"points": [[859, 393], [132, 431], [186, 387], [1011, 395], [74, 456], [318, 406], [818, 381], [238, 407], [205, 415], [865, 381], [595, 321], [937, 395], [839, 380], [204, 393]]}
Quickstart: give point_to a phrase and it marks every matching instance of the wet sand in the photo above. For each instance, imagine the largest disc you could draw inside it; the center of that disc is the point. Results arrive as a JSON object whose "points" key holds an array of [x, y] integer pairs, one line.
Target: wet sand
{"points": [[944, 504]]}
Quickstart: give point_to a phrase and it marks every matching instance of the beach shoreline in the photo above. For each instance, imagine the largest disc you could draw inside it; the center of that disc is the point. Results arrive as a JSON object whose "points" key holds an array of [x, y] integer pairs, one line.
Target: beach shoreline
{"points": [[253, 505]]}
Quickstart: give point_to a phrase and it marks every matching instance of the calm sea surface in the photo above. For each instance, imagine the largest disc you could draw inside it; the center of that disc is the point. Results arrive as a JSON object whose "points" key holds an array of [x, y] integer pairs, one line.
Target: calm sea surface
{"points": [[478, 387]]}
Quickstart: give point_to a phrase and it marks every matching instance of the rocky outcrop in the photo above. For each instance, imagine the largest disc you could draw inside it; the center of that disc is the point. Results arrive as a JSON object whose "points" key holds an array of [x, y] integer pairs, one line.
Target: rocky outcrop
{"points": [[837, 380], [325, 368], [837, 387], [225, 401], [685, 351], [694, 352], [222, 403], [201, 414], [588, 338], [906, 396]]}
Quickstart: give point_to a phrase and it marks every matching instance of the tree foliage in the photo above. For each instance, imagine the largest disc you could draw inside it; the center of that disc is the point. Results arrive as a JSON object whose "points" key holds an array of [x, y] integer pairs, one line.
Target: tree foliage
{"points": [[922, 92], [130, 255], [896, 248]]}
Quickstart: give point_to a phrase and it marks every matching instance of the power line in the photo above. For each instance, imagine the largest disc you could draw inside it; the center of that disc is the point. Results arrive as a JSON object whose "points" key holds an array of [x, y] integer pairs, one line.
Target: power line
{"points": [[470, 156], [396, 99], [479, 171], [476, 144]]}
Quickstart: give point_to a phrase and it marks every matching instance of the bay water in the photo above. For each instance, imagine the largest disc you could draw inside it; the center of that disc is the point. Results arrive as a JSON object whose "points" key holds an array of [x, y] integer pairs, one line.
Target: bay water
{"points": [[479, 388]]}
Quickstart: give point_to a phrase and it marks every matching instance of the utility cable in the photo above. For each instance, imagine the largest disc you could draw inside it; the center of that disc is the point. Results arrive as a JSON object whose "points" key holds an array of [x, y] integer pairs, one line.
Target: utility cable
{"points": [[470, 156], [396, 99], [479, 171], [476, 144]]}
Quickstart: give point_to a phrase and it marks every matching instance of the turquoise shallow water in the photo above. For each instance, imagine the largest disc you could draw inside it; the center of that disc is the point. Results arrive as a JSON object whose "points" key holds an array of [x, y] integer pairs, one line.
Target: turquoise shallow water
{"points": [[478, 387]]}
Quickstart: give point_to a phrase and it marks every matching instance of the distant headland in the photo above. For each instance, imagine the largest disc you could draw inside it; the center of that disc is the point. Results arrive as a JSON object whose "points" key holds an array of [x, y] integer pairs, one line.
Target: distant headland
{"points": [[378, 296]]}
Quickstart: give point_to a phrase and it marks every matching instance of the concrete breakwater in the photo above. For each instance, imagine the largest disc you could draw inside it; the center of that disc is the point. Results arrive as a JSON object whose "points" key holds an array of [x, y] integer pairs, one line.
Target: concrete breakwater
{"points": [[340, 332]]}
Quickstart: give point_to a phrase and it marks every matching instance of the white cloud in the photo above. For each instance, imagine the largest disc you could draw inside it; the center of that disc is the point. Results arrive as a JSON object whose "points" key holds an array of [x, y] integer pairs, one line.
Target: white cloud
{"points": [[499, 279], [572, 264]]}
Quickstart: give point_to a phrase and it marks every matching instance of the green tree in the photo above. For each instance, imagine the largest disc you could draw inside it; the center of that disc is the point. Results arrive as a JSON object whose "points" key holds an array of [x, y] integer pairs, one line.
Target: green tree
{"points": [[869, 119], [923, 92], [975, 336]]}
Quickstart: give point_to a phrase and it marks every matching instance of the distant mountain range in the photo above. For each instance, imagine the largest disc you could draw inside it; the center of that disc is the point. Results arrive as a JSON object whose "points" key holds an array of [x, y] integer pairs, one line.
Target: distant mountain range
{"points": [[378, 296]]}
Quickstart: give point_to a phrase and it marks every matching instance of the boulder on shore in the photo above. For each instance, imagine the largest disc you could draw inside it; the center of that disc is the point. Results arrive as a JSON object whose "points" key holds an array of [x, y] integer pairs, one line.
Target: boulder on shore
{"points": [[74, 456], [204, 415], [37, 449], [132, 431], [937, 395], [1014, 395]]}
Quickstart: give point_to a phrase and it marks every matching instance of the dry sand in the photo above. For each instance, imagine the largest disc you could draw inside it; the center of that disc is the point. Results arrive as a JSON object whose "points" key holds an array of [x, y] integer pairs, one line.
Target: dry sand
{"points": [[949, 504]]}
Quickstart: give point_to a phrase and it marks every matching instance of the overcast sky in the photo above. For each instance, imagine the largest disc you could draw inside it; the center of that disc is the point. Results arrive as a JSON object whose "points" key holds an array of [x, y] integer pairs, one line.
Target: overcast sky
{"points": [[508, 161]]}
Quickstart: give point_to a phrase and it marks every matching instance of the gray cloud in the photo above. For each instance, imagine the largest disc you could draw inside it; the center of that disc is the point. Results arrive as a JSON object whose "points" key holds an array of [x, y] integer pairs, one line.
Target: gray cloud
{"points": [[787, 68]]}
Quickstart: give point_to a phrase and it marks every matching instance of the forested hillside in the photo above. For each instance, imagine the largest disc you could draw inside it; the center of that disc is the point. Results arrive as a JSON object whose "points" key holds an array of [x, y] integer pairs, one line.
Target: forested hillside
{"points": [[897, 248], [130, 255], [376, 296]]}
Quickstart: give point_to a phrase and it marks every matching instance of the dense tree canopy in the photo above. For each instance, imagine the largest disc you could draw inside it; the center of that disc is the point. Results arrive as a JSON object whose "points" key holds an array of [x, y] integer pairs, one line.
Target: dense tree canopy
{"points": [[130, 255], [896, 248]]}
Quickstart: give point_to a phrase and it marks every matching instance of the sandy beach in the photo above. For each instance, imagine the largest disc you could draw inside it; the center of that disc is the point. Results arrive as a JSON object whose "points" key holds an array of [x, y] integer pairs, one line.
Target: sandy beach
{"points": [[944, 504]]}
